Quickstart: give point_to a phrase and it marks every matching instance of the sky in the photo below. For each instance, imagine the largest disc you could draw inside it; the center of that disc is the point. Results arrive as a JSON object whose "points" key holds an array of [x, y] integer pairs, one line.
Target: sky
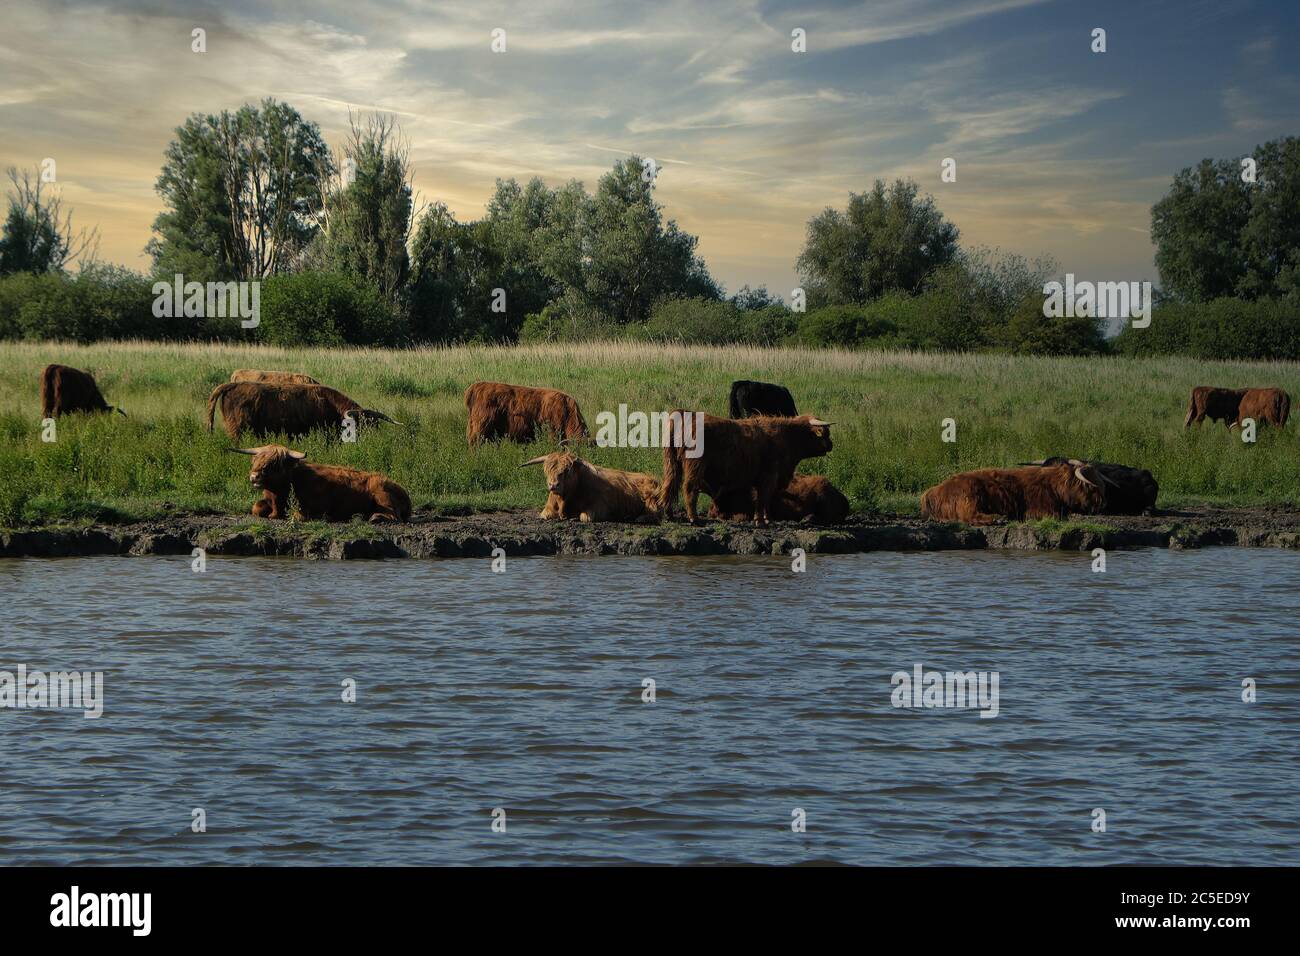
{"points": [[1058, 150]]}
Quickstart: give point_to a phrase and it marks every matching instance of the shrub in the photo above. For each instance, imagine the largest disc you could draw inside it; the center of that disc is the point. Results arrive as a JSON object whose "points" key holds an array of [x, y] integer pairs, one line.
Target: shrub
{"points": [[1224, 328], [325, 308]]}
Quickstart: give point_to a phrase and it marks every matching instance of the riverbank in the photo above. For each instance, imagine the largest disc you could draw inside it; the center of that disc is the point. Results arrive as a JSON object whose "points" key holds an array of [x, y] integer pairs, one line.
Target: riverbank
{"points": [[523, 534]]}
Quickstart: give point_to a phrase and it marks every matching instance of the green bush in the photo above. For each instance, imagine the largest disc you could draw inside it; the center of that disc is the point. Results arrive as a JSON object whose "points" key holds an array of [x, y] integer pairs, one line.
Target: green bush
{"points": [[1220, 329], [1029, 332], [104, 302], [325, 308]]}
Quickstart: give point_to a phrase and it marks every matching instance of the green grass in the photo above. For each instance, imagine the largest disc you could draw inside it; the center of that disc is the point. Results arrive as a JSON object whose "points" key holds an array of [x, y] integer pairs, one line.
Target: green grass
{"points": [[887, 406]]}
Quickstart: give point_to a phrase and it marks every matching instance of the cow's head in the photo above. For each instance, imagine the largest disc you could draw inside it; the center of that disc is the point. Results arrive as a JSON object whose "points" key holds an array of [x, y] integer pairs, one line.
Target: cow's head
{"points": [[368, 416], [272, 465], [563, 472], [1081, 486], [816, 436]]}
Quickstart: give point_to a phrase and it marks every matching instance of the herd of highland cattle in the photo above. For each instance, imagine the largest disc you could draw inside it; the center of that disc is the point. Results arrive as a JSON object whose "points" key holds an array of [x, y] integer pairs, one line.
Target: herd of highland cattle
{"points": [[746, 463]]}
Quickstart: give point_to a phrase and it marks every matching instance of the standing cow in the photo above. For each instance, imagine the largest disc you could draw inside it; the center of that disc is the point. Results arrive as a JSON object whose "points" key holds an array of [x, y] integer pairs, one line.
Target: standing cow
{"points": [[807, 496], [65, 390], [330, 492], [760, 398], [520, 413], [752, 457], [273, 378], [992, 494], [265, 409], [1216, 404], [1267, 406], [1129, 491]]}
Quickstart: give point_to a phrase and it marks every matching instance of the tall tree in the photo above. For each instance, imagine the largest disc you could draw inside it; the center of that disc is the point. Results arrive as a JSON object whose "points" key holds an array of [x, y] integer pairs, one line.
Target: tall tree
{"points": [[366, 207], [38, 234], [1218, 234], [242, 193], [886, 240]]}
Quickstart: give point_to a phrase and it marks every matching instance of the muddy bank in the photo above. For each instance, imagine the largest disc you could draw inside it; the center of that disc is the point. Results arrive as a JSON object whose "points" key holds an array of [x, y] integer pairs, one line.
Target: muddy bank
{"points": [[523, 534]]}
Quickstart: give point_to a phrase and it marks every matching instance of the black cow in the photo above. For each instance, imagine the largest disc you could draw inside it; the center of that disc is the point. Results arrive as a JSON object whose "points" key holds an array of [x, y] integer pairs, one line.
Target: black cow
{"points": [[760, 398], [1129, 491]]}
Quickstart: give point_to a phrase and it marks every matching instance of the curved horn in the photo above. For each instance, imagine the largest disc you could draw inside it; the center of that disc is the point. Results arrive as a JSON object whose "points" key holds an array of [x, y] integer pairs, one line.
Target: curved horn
{"points": [[1078, 473], [243, 451], [119, 411], [819, 423], [534, 461], [370, 412]]}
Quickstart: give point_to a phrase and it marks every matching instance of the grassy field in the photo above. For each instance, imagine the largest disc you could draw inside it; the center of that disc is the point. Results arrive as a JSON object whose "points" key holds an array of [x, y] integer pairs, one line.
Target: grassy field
{"points": [[887, 406]]}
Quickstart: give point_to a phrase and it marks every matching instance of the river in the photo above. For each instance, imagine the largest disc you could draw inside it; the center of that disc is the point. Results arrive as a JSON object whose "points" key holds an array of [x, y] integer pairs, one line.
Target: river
{"points": [[773, 735]]}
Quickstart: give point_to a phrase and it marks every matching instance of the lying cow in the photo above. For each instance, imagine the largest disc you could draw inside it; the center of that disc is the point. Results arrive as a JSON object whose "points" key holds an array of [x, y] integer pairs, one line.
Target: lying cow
{"points": [[1129, 491], [330, 492], [579, 489], [273, 378], [807, 496], [752, 457], [265, 409], [1216, 404], [65, 390], [520, 413], [1267, 406], [992, 494], [760, 398]]}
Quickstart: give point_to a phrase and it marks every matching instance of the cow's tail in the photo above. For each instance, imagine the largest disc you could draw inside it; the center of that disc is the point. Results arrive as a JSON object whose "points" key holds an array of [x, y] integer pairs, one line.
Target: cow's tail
{"points": [[47, 391], [671, 483], [1283, 408], [215, 397], [1191, 411], [927, 503]]}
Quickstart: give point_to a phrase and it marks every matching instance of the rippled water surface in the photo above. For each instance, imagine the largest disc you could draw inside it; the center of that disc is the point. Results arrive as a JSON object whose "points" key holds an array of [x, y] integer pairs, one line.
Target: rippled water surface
{"points": [[523, 690]]}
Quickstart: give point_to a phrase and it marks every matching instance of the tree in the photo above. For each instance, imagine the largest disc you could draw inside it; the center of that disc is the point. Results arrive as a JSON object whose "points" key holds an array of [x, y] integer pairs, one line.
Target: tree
{"points": [[242, 193], [1218, 235], [38, 235], [453, 266], [365, 216], [887, 240]]}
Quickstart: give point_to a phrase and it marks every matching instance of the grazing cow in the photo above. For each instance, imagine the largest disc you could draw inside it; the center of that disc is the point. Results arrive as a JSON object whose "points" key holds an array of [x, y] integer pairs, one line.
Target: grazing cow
{"points": [[751, 457], [264, 409], [273, 378], [989, 495], [323, 491], [759, 398], [1268, 406], [65, 390], [579, 489], [1129, 491], [807, 496], [519, 413], [1216, 404]]}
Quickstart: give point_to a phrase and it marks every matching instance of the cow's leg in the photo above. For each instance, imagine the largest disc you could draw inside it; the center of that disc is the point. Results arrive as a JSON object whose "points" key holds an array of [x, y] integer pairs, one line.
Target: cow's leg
{"points": [[763, 493], [383, 517], [691, 494]]}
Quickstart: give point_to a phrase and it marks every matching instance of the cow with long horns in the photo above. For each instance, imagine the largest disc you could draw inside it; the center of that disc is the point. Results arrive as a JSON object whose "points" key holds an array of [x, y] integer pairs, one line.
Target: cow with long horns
{"points": [[331, 492], [994, 494], [1129, 491], [578, 489]]}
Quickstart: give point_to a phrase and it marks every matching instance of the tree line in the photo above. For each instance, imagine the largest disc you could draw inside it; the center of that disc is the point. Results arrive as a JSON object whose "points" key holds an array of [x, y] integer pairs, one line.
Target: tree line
{"points": [[347, 253]]}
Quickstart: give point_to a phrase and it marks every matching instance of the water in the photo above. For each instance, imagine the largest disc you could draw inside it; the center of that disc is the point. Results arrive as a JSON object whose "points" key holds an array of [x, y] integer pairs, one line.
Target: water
{"points": [[523, 691]]}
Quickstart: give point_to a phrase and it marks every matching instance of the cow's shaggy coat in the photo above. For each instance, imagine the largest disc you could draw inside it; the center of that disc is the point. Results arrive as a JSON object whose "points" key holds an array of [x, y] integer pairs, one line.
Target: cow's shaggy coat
{"points": [[807, 496], [748, 399], [1129, 491], [1267, 406], [520, 413], [273, 378], [752, 457], [65, 390], [328, 492], [265, 409], [579, 489], [993, 494]]}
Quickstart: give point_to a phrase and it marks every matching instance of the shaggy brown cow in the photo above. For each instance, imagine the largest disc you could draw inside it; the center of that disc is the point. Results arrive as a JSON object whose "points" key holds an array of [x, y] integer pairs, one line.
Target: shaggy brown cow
{"points": [[519, 413], [323, 491], [991, 494], [1129, 491], [807, 496], [579, 489], [65, 390], [753, 457], [1268, 406], [264, 409], [1216, 404], [274, 378]]}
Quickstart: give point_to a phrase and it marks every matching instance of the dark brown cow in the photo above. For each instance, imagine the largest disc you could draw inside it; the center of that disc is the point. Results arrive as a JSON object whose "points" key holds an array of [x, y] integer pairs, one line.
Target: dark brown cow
{"points": [[274, 378], [992, 494], [1216, 404], [753, 457], [1129, 491], [264, 409], [1268, 406], [65, 390], [519, 413], [807, 496], [579, 489], [330, 492]]}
